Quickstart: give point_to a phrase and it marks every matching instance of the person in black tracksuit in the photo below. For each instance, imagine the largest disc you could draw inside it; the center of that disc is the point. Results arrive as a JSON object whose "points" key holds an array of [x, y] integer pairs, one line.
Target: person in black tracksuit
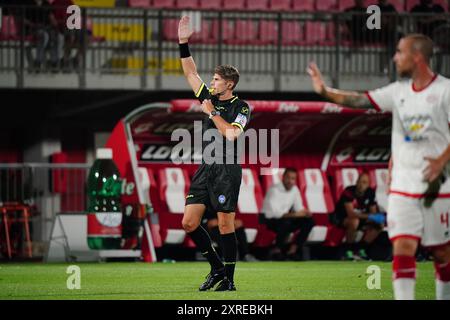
{"points": [[215, 185]]}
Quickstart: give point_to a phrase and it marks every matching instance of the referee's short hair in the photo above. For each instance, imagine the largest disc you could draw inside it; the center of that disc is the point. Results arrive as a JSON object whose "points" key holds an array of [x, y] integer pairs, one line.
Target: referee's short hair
{"points": [[229, 73]]}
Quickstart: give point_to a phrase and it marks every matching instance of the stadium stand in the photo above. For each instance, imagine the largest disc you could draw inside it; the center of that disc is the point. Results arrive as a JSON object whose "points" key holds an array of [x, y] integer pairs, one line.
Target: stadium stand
{"points": [[280, 5]]}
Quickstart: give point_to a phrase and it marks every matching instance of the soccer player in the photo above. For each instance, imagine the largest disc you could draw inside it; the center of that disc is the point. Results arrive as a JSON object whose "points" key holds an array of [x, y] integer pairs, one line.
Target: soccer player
{"points": [[215, 185], [419, 198]]}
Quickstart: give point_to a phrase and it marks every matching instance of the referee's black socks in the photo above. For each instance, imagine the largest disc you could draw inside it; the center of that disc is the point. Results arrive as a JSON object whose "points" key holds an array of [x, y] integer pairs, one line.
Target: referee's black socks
{"points": [[203, 242], [229, 247]]}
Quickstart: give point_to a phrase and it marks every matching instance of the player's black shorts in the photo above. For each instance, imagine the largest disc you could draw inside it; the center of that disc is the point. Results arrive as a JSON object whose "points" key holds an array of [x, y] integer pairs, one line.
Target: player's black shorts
{"points": [[216, 186]]}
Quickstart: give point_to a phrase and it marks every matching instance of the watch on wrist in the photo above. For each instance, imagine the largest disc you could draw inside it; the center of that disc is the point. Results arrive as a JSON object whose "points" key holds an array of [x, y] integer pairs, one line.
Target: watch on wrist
{"points": [[214, 113]]}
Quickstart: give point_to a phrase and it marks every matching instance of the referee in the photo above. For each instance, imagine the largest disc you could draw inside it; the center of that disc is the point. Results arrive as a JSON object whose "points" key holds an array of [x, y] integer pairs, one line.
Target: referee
{"points": [[215, 185]]}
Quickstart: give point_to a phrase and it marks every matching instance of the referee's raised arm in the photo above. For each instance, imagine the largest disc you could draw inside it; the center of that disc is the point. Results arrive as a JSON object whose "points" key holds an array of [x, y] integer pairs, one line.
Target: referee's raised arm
{"points": [[187, 62]]}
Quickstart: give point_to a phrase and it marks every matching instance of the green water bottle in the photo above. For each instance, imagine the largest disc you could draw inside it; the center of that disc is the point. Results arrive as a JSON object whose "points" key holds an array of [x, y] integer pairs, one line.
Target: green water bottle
{"points": [[104, 210]]}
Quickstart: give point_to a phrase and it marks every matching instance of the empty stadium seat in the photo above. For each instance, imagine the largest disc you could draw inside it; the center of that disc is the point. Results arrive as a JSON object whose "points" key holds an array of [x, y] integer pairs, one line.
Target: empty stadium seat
{"points": [[379, 181], [204, 35], [187, 4], [344, 178], [268, 32], [250, 203], [316, 33], [315, 190], [280, 5], [291, 33], [9, 30], [303, 5], [257, 4], [173, 186], [247, 32], [234, 4], [227, 29], [345, 4], [139, 3], [163, 4], [170, 29], [211, 4], [326, 5]]}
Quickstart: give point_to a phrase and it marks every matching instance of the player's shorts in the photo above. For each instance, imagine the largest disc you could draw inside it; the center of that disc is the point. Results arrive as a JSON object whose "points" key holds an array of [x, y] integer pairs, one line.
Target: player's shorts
{"points": [[411, 217], [216, 186]]}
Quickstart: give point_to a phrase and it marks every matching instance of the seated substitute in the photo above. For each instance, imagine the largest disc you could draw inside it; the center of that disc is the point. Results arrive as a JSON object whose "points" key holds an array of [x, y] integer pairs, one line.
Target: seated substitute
{"points": [[356, 210], [284, 213]]}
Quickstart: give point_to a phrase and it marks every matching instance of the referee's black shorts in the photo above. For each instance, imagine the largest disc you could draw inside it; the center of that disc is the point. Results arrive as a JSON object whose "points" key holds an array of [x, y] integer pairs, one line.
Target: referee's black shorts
{"points": [[216, 186]]}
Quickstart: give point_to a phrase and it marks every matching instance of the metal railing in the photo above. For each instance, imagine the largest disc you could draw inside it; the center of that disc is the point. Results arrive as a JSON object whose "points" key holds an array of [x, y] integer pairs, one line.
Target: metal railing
{"points": [[48, 189], [142, 43]]}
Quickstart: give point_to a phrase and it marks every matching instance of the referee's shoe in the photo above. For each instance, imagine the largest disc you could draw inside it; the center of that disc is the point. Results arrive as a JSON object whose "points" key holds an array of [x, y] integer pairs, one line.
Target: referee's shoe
{"points": [[226, 285], [212, 279]]}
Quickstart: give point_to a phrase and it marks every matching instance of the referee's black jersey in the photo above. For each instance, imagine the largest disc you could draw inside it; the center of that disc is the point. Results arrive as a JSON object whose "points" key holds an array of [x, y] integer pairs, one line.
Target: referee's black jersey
{"points": [[234, 111]]}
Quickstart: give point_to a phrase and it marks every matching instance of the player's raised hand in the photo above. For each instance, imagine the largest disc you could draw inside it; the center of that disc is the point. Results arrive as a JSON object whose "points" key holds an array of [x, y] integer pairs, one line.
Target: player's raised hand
{"points": [[316, 78], [433, 169], [184, 29]]}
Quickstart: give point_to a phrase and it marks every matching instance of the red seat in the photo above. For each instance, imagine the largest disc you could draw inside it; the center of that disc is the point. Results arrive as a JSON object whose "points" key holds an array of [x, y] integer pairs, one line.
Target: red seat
{"points": [[257, 4], [316, 191], [163, 4], [268, 32], [280, 5], [9, 30], [173, 186], [316, 33], [227, 29], [170, 29], [291, 33], [247, 32], [204, 35], [379, 181], [234, 4], [187, 4], [303, 5], [345, 4], [211, 4], [326, 5], [344, 178], [139, 3]]}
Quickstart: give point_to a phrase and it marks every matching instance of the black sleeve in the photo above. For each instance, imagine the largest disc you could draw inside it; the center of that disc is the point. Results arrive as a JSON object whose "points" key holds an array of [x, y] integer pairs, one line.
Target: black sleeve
{"points": [[372, 200], [242, 116], [347, 195], [202, 93]]}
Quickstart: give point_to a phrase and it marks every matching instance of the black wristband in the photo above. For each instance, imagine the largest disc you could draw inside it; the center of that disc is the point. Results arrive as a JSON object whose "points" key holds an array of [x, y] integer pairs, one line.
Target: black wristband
{"points": [[184, 50]]}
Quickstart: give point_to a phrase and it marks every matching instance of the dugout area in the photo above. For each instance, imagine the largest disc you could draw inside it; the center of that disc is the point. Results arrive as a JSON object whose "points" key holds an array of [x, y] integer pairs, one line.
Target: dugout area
{"points": [[328, 144]]}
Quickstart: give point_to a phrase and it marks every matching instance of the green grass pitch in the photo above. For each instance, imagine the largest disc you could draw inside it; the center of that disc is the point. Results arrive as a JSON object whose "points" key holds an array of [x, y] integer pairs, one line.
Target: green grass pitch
{"points": [[315, 280]]}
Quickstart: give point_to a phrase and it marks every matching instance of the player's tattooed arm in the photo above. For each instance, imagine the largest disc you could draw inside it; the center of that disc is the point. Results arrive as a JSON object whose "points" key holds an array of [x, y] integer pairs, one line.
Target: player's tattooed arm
{"points": [[347, 98]]}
